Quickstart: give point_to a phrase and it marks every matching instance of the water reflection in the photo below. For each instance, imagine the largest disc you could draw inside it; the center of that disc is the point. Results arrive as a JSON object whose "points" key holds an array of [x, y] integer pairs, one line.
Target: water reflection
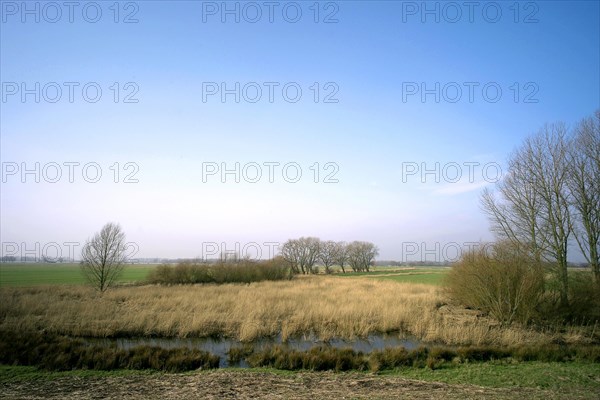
{"points": [[221, 346]]}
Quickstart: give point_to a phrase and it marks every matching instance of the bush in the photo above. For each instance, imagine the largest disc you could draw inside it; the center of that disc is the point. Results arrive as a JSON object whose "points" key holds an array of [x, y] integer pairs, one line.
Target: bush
{"points": [[502, 279], [442, 353], [243, 271], [236, 354], [161, 274], [316, 359], [482, 353], [398, 357], [584, 296]]}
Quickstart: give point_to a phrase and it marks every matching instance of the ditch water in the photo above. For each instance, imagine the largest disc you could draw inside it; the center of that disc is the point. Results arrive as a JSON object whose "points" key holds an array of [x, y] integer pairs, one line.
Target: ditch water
{"points": [[221, 346]]}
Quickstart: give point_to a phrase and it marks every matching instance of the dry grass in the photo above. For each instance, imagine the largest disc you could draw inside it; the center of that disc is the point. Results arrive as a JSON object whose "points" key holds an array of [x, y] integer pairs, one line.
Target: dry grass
{"points": [[325, 306]]}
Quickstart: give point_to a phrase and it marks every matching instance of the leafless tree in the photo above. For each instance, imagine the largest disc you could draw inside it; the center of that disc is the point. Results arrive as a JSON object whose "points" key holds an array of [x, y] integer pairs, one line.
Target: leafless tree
{"points": [[361, 255], [535, 204], [104, 256], [584, 185], [513, 210], [311, 247], [342, 255], [329, 254], [302, 254], [290, 251]]}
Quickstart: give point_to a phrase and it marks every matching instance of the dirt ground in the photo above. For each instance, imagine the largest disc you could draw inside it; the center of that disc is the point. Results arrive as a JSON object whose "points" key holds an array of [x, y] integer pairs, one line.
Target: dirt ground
{"points": [[221, 384]]}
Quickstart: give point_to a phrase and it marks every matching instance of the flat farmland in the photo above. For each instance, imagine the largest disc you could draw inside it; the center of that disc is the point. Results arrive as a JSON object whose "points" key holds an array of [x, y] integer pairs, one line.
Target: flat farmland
{"points": [[34, 274], [424, 275], [51, 298]]}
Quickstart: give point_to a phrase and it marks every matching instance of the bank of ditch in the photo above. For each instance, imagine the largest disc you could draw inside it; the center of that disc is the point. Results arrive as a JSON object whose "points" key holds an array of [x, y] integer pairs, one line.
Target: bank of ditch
{"points": [[59, 353]]}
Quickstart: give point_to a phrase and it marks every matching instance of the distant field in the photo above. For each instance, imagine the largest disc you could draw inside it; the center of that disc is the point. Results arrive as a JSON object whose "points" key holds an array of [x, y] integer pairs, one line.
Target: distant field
{"points": [[24, 274], [425, 275]]}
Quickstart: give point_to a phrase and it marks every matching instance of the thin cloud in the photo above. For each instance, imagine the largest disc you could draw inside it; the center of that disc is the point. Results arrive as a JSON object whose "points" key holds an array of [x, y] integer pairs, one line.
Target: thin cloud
{"points": [[452, 189]]}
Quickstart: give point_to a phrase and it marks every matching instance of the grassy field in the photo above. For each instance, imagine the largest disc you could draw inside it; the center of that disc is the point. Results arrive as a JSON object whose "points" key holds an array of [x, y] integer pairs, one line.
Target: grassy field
{"points": [[540, 375], [26, 274], [51, 298], [425, 275], [33, 274]]}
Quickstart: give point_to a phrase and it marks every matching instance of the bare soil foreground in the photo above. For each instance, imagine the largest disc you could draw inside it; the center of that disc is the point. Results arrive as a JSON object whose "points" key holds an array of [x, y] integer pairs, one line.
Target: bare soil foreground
{"points": [[222, 384]]}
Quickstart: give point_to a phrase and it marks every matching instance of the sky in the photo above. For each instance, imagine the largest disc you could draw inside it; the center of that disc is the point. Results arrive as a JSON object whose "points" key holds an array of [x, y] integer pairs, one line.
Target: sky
{"points": [[203, 127]]}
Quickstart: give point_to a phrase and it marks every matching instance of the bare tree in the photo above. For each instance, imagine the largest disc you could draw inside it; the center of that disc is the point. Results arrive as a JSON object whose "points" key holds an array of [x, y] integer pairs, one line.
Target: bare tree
{"points": [[361, 255], [104, 256], [290, 251], [329, 254], [302, 254], [534, 208], [513, 213], [342, 255], [310, 248], [584, 185], [548, 152]]}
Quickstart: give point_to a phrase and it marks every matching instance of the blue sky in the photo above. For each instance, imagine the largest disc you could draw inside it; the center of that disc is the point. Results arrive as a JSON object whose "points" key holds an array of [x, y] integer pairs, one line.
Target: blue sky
{"points": [[546, 53]]}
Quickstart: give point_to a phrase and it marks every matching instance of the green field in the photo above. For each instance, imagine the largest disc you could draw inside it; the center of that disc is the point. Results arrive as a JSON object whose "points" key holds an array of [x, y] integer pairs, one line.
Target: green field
{"points": [[32, 274], [24, 274], [429, 278], [426, 275], [555, 376]]}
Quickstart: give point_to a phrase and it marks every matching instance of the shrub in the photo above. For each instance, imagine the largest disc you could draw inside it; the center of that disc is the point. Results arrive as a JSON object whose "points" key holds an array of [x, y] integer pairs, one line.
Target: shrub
{"points": [[237, 354], [584, 296], [161, 274], [482, 353], [316, 359], [442, 353], [397, 357], [504, 280], [243, 271]]}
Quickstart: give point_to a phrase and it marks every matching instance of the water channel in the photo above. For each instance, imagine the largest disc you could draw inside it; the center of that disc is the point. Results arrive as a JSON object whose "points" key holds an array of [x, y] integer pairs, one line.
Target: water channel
{"points": [[221, 346]]}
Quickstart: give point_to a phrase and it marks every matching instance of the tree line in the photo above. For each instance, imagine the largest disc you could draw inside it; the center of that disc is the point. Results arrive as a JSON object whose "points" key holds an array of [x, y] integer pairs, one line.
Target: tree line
{"points": [[305, 253], [104, 257]]}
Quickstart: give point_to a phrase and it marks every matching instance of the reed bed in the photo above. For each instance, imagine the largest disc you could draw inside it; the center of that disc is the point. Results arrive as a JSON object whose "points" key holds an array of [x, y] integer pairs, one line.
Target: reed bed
{"points": [[327, 307]]}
